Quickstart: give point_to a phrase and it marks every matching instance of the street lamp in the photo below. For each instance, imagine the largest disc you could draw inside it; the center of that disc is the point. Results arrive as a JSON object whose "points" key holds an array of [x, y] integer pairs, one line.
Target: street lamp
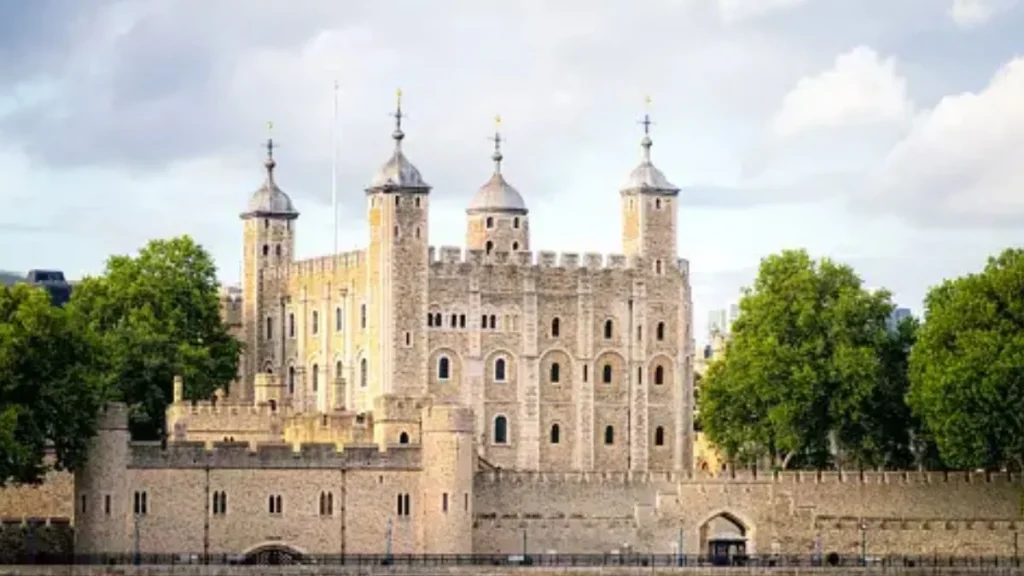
{"points": [[864, 542]]}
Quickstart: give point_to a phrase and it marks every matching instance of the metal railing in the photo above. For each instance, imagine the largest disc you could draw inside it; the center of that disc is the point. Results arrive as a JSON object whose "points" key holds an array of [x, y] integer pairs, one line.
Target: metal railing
{"points": [[281, 556]]}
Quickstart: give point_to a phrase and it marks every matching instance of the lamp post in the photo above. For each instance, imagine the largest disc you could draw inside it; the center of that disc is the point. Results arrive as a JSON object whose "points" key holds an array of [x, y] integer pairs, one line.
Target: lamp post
{"points": [[863, 542], [138, 554]]}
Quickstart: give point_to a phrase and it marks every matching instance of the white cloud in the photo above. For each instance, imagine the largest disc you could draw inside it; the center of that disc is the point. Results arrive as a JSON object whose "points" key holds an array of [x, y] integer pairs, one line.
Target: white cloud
{"points": [[969, 13], [862, 88], [737, 10], [961, 162]]}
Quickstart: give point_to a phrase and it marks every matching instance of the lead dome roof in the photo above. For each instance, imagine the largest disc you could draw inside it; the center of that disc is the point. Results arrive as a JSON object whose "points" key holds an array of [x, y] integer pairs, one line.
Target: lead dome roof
{"points": [[269, 200]]}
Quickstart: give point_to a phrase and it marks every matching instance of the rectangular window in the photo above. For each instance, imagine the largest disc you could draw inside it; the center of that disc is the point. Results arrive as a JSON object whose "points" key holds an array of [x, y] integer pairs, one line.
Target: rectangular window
{"points": [[585, 372], [444, 502], [404, 507], [465, 501], [362, 316], [83, 503], [270, 328], [338, 319], [106, 504], [140, 506], [291, 325]]}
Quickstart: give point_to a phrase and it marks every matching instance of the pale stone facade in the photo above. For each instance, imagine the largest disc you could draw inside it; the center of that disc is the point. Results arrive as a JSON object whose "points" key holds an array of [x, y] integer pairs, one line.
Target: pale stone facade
{"points": [[408, 399]]}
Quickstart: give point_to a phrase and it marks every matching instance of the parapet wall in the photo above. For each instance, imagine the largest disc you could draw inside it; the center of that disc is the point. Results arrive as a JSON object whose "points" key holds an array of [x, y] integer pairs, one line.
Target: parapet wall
{"points": [[588, 262], [953, 513], [231, 455], [320, 265], [749, 476]]}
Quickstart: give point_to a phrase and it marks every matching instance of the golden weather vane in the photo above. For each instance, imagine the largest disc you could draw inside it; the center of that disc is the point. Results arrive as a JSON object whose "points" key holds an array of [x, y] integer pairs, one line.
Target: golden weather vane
{"points": [[270, 127], [497, 122]]}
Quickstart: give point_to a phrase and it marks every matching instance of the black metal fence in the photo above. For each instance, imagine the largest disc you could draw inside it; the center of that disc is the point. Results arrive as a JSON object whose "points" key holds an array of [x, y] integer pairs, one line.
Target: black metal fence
{"points": [[283, 557]]}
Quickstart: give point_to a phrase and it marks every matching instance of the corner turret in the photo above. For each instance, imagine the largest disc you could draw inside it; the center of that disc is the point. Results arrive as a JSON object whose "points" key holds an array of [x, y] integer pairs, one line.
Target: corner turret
{"points": [[497, 217], [269, 246], [396, 279], [648, 210]]}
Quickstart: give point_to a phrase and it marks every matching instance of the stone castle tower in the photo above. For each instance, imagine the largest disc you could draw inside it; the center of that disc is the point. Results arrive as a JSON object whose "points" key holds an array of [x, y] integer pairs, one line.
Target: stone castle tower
{"points": [[567, 361]]}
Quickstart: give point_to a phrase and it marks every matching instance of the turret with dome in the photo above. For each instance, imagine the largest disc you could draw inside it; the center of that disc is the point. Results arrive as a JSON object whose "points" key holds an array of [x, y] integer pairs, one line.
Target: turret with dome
{"points": [[497, 217], [398, 324]]}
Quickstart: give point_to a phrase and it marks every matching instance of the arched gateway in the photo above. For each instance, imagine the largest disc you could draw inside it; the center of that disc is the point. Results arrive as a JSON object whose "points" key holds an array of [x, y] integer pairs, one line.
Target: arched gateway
{"points": [[724, 538], [273, 554]]}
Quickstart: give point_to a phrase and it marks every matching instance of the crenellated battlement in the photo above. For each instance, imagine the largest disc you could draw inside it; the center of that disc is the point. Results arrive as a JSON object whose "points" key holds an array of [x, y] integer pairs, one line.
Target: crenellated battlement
{"points": [[856, 478], [448, 256], [222, 408], [320, 265], [230, 455]]}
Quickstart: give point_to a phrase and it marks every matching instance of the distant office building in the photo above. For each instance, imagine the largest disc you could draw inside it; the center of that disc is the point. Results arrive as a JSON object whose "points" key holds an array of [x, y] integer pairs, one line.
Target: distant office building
{"points": [[897, 316], [720, 321], [54, 283]]}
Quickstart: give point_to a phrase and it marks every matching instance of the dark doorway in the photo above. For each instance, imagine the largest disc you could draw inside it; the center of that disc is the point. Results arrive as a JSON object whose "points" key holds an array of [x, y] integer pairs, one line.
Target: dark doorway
{"points": [[273, 556]]}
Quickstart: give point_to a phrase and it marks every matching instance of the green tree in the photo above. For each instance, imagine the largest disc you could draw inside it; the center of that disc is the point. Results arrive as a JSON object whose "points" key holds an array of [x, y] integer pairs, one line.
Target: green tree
{"points": [[810, 371], [967, 368], [157, 315], [50, 392]]}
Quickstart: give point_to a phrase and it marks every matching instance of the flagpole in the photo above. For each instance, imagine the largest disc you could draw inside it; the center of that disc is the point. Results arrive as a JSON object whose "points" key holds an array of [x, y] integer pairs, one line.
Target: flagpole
{"points": [[334, 167]]}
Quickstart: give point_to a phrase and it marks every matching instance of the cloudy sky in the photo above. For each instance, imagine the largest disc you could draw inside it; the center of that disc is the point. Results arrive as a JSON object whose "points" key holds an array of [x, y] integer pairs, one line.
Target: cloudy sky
{"points": [[885, 133]]}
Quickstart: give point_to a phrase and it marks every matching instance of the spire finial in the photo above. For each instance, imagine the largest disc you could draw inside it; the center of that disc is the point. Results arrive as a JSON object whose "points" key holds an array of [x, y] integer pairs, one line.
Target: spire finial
{"points": [[497, 156], [270, 162], [646, 141], [398, 135]]}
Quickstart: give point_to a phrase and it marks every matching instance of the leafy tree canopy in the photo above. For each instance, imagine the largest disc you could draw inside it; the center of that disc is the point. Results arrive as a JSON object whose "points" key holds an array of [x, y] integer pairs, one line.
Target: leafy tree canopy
{"points": [[810, 371], [967, 368], [50, 393], [157, 315]]}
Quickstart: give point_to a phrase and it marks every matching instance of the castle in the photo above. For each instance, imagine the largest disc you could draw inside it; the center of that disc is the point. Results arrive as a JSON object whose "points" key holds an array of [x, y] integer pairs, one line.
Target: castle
{"points": [[408, 399]]}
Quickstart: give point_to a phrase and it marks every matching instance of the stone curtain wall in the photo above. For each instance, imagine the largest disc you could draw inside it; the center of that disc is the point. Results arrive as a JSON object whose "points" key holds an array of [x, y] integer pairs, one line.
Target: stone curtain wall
{"points": [[51, 499], [902, 513]]}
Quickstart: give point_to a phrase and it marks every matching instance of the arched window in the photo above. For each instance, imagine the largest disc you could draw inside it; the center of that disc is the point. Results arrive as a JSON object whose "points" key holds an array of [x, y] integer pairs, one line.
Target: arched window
{"points": [[316, 377], [437, 319], [443, 368], [659, 436], [363, 376], [499, 370], [555, 327], [489, 222], [515, 246], [273, 405], [489, 246], [501, 430], [606, 374], [556, 433], [554, 372], [430, 320], [316, 322], [609, 435], [493, 321], [659, 375], [660, 331], [291, 379], [657, 267], [608, 329], [515, 222], [266, 250], [403, 438]]}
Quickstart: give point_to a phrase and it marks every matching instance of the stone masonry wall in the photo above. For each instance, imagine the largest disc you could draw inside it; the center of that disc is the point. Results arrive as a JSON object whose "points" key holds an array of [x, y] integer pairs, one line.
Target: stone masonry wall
{"points": [[901, 513]]}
